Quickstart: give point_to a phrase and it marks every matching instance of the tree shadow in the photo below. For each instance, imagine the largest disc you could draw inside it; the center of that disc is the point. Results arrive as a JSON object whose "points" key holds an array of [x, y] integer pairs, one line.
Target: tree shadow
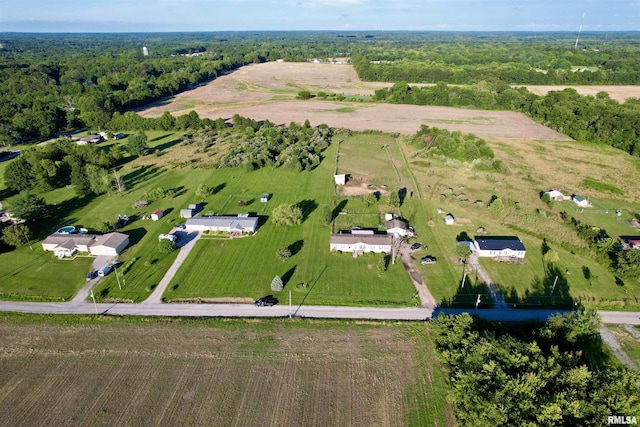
{"points": [[550, 291], [463, 237], [545, 248], [166, 145], [402, 195], [286, 277], [135, 235], [467, 296], [218, 188], [139, 175], [179, 191], [296, 247], [307, 207], [339, 207]]}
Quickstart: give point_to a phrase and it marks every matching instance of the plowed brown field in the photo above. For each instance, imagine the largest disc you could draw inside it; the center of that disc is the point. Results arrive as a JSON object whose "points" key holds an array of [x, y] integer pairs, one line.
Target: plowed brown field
{"points": [[216, 373], [268, 91]]}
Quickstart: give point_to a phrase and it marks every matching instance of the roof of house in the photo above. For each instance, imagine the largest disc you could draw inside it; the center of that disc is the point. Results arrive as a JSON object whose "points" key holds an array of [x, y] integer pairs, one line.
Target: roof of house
{"points": [[111, 240], [157, 212], [65, 240], [396, 223], [224, 221], [496, 243], [350, 239], [553, 193], [578, 198]]}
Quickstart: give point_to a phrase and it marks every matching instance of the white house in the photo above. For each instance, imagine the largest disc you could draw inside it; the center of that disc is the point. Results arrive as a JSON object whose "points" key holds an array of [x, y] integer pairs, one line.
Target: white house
{"points": [[580, 201], [507, 247], [449, 219], [397, 227], [555, 195], [231, 224], [109, 244], [340, 179], [361, 243], [156, 215], [64, 245]]}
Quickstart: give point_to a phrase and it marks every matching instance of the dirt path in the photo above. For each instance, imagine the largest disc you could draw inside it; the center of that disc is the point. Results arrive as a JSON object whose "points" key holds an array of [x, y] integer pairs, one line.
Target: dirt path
{"points": [[612, 342], [426, 299], [186, 241], [498, 301]]}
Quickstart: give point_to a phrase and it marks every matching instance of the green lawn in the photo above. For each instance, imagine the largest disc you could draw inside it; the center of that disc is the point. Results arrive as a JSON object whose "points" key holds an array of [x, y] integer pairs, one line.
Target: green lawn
{"points": [[219, 267], [38, 275]]}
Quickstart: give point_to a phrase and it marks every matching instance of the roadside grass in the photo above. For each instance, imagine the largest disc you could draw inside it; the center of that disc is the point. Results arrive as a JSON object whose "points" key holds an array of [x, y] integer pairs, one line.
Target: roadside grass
{"points": [[630, 344], [313, 364]]}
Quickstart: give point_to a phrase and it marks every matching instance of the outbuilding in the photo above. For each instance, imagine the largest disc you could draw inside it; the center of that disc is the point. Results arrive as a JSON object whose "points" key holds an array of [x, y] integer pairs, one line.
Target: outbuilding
{"points": [[156, 215], [111, 244]]}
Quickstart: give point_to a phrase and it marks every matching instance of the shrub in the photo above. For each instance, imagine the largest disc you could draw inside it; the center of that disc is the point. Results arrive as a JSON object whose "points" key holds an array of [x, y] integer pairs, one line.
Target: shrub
{"points": [[276, 284]]}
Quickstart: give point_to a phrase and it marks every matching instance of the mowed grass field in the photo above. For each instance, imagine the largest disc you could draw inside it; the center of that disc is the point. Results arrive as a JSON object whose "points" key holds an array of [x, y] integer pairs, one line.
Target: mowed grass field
{"points": [[245, 267], [104, 371]]}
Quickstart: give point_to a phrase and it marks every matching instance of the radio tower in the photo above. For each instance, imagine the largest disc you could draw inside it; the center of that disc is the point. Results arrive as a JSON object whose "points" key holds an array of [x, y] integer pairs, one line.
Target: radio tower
{"points": [[579, 31]]}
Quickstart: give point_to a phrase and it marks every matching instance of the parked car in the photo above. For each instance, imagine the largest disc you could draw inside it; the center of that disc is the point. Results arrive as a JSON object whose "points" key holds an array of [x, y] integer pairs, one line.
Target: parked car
{"points": [[267, 301], [416, 246], [92, 275], [104, 270], [428, 260], [169, 236]]}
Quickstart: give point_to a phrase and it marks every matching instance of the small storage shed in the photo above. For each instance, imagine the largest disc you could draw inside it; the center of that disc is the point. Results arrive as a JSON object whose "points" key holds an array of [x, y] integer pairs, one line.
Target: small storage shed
{"points": [[156, 215]]}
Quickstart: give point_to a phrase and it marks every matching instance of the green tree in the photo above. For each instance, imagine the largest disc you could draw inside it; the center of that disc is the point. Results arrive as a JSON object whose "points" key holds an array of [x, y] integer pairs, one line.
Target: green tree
{"points": [[204, 191], [28, 206], [304, 94], [496, 206], [327, 214], [99, 179], [276, 284], [18, 175], [137, 145], [283, 253], [166, 246], [287, 215], [16, 235], [463, 251], [370, 199], [394, 199]]}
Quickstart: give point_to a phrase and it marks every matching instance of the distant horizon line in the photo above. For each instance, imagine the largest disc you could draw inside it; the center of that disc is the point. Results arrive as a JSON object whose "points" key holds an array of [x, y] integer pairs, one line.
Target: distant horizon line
{"points": [[318, 31]]}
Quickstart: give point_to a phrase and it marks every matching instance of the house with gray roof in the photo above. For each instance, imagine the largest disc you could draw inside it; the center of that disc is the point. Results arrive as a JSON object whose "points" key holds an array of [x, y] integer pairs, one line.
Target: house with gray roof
{"points": [[361, 243], [240, 224], [66, 245]]}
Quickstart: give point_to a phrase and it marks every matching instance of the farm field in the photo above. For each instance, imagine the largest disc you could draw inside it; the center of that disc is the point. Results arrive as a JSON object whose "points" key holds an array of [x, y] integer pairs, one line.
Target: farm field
{"points": [[62, 370]]}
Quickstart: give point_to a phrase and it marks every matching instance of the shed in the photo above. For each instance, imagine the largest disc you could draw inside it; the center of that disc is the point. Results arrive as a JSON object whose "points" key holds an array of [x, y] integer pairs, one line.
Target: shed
{"points": [[156, 215], [449, 219], [265, 197], [580, 201], [195, 207], [186, 213], [340, 179]]}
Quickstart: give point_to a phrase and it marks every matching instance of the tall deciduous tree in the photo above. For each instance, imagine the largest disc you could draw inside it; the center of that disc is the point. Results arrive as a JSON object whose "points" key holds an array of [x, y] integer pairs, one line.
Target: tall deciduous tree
{"points": [[28, 206], [16, 235]]}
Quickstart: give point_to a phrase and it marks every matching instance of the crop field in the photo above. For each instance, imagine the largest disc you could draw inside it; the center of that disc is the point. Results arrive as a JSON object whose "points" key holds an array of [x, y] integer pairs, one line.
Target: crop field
{"points": [[120, 371]]}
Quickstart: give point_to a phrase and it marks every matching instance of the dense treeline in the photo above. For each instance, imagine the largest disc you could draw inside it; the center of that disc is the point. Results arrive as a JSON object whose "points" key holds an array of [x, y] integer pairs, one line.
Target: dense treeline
{"points": [[596, 119], [57, 164], [50, 83], [554, 374], [547, 58]]}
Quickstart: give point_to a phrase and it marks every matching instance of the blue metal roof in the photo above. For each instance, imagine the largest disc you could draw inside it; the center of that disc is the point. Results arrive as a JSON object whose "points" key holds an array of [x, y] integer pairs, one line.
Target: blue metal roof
{"points": [[499, 243]]}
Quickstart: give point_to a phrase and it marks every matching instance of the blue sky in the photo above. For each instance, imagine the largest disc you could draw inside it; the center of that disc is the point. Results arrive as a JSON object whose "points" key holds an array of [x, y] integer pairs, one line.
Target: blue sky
{"points": [[240, 15]]}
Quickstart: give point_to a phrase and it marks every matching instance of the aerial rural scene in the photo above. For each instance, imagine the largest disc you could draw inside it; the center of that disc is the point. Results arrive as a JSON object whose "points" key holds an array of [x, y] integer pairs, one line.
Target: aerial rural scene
{"points": [[325, 213]]}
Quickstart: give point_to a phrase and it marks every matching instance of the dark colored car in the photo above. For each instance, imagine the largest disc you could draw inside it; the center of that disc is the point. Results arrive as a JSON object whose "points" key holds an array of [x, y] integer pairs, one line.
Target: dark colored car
{"points": [[416, 246], [92, 275], [428, 260], [267, 301]]}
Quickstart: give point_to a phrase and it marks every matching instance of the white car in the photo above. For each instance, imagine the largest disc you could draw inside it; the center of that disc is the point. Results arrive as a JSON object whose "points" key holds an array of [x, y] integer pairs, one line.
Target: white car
{"points": [[171, 237]]}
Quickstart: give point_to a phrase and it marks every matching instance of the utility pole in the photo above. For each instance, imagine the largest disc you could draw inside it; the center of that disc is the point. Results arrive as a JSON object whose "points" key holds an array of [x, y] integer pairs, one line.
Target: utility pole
{"points": [[289, 304], [94, 301], [117, 278]]}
